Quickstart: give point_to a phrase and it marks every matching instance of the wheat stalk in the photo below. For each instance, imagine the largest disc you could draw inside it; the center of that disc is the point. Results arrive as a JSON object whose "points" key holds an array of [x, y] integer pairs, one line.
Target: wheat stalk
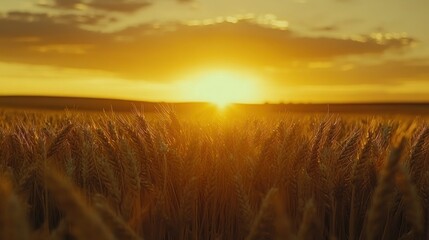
{"points": [[120, 229], [13, 224], [412, 203], [382, 196], [87, 224]]}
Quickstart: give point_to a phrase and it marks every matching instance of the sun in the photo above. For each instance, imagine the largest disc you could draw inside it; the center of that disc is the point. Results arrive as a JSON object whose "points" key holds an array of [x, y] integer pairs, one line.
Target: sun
{"points": [[222, 88]]}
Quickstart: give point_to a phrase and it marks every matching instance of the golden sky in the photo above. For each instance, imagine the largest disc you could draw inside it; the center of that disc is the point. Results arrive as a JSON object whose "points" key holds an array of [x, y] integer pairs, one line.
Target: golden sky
{"points": [[195, 50]]}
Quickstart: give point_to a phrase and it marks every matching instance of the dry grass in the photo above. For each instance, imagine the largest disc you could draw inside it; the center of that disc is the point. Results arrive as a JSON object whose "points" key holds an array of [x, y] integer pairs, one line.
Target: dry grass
{"points": [[125, 176]]}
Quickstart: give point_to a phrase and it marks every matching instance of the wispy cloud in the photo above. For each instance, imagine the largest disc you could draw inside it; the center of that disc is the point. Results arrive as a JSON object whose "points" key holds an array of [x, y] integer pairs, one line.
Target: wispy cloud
{"points": [[62, 18], [106, 5], [388, 73], [122, 6]]}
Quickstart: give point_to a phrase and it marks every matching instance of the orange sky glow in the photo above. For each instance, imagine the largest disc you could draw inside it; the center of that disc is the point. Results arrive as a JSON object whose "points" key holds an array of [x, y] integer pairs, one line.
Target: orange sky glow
{"points": [[218, 51]]}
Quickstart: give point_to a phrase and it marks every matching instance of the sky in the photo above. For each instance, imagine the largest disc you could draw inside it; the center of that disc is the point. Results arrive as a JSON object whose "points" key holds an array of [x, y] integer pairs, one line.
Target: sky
{"points": [[197, 50]]}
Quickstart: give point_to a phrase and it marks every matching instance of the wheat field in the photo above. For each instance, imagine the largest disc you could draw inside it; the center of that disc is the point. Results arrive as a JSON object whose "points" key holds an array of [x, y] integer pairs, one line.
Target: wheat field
{"points": [[129, 176]]}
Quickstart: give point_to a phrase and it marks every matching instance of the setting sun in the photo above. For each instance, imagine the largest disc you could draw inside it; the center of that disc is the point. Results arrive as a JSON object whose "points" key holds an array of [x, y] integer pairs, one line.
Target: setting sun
{"points": [[221, 88]]}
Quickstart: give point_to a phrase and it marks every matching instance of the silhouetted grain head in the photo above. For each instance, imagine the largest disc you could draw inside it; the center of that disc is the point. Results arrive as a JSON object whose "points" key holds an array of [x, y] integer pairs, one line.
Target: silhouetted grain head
{"points": [[86, 223], [308, 227], [413, 209], [383, 195], [119, 227], [13, 224], [264, 224]]}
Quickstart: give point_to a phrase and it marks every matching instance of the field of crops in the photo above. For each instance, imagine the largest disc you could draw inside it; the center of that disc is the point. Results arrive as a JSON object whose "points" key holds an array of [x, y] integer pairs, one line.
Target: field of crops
{"points": [[126, 176]]}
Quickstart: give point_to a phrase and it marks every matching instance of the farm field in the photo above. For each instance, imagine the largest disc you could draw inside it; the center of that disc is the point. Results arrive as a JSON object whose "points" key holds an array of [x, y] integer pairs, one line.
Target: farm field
{"points": [[214, 120], [69, 175]]}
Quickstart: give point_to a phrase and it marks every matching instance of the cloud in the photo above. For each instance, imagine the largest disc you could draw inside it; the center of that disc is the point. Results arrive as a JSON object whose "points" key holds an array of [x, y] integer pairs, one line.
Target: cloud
{"points": [[326, 28], [122, 6], [48, 31], [348, 74], [162, 52], [73, 19], [125, 6], [119, 6]]}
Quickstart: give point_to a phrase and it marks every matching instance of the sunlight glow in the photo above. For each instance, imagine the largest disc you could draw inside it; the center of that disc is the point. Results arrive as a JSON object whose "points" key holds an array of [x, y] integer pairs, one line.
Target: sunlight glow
{"points": [[221, 88]]}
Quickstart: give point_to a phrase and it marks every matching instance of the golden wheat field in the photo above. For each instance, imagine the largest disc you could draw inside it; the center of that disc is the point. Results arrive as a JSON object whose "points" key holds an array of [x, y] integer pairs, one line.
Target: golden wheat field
{"points": [[127, 176]]}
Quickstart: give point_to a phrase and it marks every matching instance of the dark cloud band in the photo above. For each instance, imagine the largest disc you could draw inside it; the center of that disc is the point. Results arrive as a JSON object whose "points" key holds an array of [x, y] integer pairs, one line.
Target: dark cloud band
{"points": [[124, 6]]}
